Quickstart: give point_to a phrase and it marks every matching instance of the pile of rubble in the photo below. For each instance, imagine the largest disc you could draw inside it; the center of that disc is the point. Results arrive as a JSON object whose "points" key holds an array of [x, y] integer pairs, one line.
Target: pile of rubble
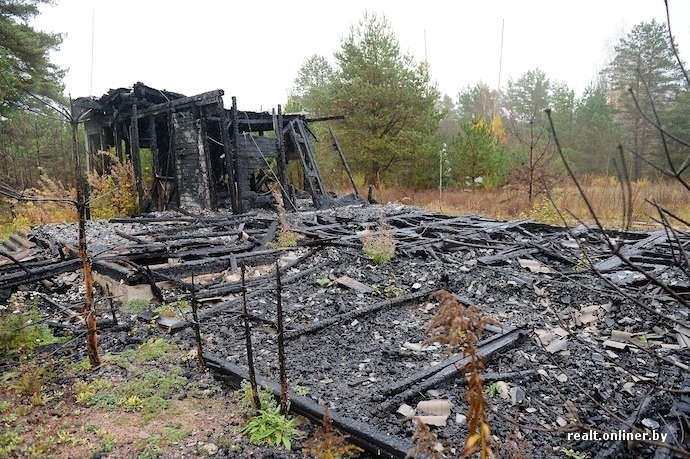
{"points": [[587, 343]]}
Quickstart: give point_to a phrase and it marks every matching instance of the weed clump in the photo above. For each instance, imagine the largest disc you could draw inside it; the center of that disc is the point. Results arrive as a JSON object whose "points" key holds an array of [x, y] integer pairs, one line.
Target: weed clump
{"points": [[271, 427], [379, 246], [454, 324], [245, 398], [135, 306], [176, 309], [267, 425]]}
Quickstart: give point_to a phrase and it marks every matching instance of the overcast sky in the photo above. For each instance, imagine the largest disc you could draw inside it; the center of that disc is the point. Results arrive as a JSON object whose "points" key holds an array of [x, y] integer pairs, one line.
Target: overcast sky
{"points": [[254, 49]]}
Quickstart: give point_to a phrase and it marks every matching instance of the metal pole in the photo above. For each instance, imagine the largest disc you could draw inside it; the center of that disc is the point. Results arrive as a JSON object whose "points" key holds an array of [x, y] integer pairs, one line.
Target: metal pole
{"points": [[440, 178]]}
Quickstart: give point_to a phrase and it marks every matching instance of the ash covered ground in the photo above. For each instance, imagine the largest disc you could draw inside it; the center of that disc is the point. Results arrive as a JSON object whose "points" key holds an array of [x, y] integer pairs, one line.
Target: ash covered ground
{"points": [[591, 343]]}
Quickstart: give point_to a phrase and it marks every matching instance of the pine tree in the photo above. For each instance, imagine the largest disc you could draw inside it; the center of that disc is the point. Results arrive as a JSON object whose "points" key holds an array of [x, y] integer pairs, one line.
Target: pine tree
{"points": [[26, 73], [390, 105], [645, 64]]}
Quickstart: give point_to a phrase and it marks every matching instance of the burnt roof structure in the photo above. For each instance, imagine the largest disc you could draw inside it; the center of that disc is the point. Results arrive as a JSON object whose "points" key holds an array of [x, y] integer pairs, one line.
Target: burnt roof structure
{"points": [[203, 156]]}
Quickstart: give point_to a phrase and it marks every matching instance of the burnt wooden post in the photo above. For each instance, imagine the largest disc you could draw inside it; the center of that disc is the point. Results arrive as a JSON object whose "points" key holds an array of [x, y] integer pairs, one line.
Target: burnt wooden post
{"points": [[248, 339], [154, 147], [229, 157], [197, 330], [117, 139], [284, 398], [201, 113], [288, 201], [112, 311], [172, 163], [136, 158], [101, 139], [89, 309], [235, 153], [155, 157]]}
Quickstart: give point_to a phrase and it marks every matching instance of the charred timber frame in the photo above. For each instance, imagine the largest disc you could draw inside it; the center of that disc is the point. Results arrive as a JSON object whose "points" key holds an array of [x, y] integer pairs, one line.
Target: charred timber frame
{"points": [[203, 156]]}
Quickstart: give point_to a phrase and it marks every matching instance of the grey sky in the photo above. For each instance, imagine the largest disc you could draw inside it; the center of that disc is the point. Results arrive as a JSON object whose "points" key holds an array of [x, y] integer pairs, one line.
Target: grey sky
{"points": [[253, 50]]}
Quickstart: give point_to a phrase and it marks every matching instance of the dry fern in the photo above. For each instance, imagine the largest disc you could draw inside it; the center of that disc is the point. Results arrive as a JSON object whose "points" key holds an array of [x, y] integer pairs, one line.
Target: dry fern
{"points": [[454, 324], [286, 237], [425, 443], [113, 194], [329, 442]]}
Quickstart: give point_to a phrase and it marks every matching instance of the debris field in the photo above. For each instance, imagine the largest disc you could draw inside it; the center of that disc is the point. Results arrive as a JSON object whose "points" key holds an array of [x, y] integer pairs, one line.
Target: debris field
{"points": [[583, 342]]}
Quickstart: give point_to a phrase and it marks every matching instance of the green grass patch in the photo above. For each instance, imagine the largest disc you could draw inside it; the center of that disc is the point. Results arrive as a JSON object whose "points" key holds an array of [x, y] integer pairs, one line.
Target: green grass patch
{"points": [[146, 391], [153, 446], [135, 307], [153, 349], [21, 330], [379, 248], [10, 442], [176, 309]]}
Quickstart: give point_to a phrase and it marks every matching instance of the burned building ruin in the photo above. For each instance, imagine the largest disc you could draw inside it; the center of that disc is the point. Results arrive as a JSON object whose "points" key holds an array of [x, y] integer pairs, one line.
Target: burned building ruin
{"points": [[204, 156]]}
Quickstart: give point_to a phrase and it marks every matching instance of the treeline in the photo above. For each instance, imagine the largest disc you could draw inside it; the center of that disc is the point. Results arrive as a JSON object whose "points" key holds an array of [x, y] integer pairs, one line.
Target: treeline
{"points": [[33, 144], [34, 136], [400, 130]]}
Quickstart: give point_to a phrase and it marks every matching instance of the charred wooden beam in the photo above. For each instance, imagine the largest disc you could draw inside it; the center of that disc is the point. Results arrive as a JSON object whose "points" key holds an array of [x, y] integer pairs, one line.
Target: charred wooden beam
{"points": [[136, 158], [38, 273], [235, 287], [178, 220], [206, 98], [288, 198], [229, 159], [202, 115], [337, 148], [237, 206], [449, 368], [488, 345], [325, 118], [348, 316]]}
